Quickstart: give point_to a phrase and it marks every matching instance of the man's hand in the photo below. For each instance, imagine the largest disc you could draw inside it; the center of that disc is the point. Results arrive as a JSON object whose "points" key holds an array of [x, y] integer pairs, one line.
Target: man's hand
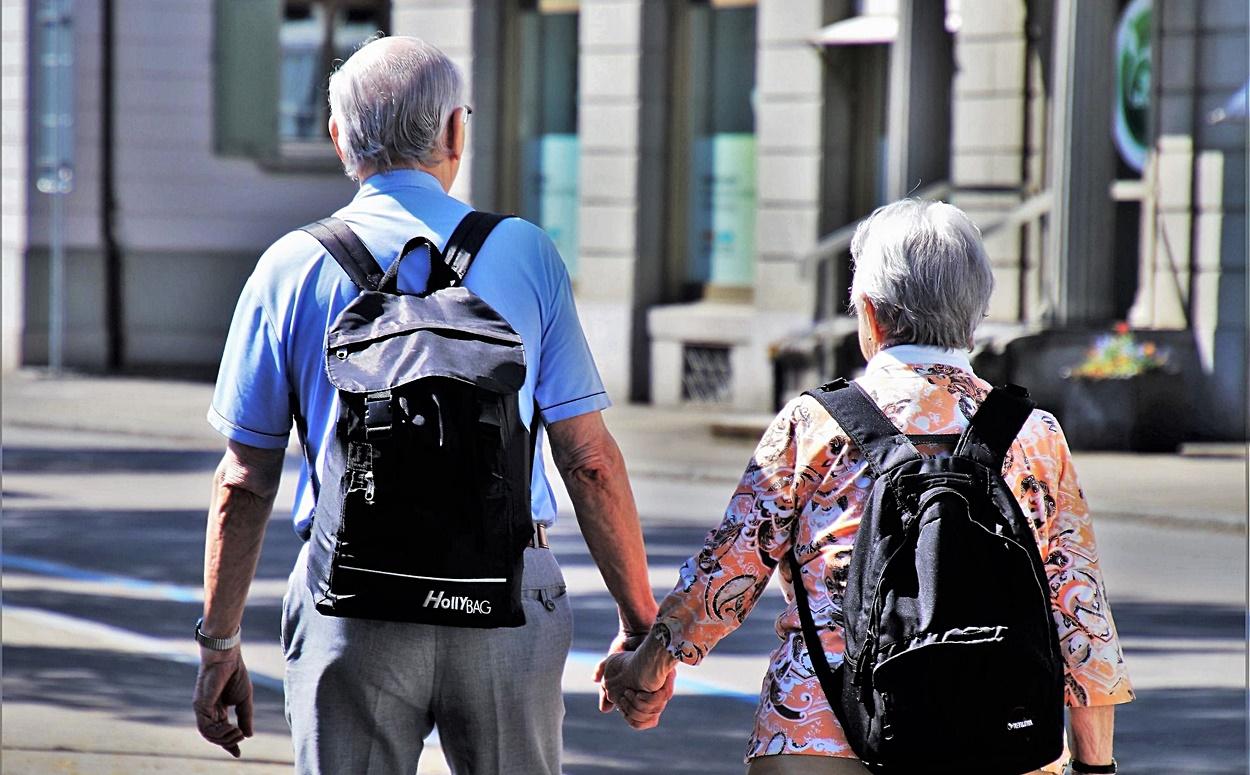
{"points": [[640, 697], [221, 684], [623, 642]]}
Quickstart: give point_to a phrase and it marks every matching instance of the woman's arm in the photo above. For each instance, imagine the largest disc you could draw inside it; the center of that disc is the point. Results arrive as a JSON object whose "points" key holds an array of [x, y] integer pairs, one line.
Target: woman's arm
{"points": [[1095, 676], [1092, 729], [720, 585]]}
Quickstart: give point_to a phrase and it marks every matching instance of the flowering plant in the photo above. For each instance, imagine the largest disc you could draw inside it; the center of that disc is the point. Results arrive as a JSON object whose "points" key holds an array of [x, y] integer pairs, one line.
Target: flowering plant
{"points": [[1118, 356]]}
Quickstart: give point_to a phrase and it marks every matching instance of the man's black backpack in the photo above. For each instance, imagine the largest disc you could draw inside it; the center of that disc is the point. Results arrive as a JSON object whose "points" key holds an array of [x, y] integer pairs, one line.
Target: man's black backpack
{"points": [[425, 510], [952, 662]]}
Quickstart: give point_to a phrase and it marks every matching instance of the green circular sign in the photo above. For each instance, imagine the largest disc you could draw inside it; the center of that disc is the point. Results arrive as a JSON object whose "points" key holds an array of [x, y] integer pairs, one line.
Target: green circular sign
{"points": [[1132, 83]]}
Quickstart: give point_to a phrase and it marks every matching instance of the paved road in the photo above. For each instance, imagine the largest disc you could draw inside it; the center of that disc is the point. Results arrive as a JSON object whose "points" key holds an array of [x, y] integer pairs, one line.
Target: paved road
{"points": [[102, 551]]}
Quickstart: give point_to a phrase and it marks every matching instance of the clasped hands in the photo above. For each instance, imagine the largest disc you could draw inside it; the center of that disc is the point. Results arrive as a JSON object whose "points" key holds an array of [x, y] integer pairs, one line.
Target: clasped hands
{"points": [[630, 682]]}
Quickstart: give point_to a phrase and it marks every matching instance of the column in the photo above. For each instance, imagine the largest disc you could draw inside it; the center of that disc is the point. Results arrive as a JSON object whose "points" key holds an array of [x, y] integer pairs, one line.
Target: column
{"points": [[789, 129], [1082, 165], [622, 115], [997, 118], [919, 109], [449, 24]]}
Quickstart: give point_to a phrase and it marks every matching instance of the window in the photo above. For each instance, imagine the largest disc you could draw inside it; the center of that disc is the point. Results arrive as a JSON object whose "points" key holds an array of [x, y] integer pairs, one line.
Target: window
{"points": [[315, 35], [706, 374], [272, 64], [714, 119], [547, 129]]}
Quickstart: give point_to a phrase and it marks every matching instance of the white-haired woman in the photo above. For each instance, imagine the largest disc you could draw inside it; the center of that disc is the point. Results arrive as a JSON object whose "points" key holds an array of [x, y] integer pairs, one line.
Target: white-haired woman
{"points": [[922, 285]]}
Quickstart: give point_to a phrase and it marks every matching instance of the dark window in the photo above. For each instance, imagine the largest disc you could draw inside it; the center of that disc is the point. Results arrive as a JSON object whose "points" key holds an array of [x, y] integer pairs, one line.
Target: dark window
{"points": [[272, 61], [706, 375], [713, 119], [315, 36]]}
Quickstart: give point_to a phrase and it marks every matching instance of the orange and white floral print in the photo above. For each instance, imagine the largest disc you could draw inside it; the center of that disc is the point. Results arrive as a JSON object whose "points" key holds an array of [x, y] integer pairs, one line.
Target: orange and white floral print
{"points": [[805, 488]]}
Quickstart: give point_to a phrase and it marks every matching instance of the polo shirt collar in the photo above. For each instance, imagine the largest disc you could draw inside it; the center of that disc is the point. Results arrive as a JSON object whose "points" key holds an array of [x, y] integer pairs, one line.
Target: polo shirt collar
{"points": [[394, 180], [904, 356]]}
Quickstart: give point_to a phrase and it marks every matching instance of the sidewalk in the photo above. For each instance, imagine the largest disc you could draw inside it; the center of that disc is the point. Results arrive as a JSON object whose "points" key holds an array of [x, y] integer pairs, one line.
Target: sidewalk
{"points": [[95, 631], [696, 445], [693, 445]]}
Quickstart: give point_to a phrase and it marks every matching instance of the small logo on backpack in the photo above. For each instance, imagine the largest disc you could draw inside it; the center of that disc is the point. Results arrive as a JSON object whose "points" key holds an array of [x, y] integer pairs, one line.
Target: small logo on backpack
{"points": [[1015, 726], [458, 603]]}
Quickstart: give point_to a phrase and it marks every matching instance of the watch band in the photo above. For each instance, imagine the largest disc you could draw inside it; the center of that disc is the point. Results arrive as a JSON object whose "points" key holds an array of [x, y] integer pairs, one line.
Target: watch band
{"points": [[1079, 766], [217, 644]]}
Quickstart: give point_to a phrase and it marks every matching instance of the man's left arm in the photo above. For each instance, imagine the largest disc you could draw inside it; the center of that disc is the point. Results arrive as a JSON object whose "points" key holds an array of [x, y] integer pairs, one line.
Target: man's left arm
{"points": [[244, 488], [594, 472]]}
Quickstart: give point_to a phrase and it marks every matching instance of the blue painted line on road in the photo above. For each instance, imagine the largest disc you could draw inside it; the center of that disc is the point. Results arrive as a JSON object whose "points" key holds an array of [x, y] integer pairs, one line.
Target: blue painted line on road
{"points": [[175, 592], [185, 594], [685, 684]]}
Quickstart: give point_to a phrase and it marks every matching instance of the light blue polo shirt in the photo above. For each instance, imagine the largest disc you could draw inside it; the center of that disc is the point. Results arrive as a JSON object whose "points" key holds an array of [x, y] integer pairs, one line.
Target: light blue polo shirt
{"points": [[276, 346]]}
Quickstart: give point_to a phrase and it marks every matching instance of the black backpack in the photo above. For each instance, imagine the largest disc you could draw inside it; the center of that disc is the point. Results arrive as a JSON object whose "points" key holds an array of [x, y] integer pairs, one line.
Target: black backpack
{"points": [[425, 512], [952, 661]]}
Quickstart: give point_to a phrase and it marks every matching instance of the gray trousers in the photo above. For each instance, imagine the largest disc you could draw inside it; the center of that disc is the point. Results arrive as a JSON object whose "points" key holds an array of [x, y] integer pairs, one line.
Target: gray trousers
{"points": [[362, 695]]}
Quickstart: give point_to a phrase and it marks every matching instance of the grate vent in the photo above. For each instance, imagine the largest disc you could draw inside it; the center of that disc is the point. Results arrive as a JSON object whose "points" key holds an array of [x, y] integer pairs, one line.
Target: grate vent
{"points": [[705, 374]]}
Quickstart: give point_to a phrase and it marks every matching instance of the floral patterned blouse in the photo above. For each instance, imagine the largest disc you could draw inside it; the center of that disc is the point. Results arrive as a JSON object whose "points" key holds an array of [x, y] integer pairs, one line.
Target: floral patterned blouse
{"points": [[805, 488]]}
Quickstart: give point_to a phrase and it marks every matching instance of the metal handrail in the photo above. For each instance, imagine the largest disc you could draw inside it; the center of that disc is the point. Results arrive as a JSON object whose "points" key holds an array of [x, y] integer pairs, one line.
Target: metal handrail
{"points": [[822, 333], [1026, 212], [839, 240]]}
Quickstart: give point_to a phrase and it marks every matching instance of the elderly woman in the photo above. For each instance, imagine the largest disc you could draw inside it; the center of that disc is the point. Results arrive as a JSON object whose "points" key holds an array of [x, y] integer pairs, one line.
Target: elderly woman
{"points": [[922, 285]]}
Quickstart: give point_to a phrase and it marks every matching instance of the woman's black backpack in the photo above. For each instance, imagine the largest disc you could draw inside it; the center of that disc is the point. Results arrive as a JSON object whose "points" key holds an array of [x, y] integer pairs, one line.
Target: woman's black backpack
{"points": [[952, 661], [425, 512]]}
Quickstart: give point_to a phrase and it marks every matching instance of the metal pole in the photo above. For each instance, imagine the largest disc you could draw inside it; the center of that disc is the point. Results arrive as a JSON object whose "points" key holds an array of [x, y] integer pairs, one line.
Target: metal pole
{"points": [[56, 239], [56, 286], [55, 157]]}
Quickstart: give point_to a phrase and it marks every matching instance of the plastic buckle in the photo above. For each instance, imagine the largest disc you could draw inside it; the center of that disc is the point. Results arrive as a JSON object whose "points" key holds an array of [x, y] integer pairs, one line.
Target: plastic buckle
{"points": [[379, 416]]}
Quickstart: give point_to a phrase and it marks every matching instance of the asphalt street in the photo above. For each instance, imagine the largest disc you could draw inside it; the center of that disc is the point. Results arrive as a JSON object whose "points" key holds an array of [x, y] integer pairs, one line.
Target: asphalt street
{"points": [[102, 544]]}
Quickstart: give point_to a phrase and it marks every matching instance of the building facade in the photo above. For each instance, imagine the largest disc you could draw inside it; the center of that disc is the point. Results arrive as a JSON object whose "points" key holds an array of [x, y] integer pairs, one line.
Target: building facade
{"points": [[700, 163]]}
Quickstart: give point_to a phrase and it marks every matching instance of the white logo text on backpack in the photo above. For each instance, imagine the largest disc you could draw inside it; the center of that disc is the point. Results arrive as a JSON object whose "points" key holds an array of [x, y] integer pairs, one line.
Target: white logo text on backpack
{"points": [[458, 603]]}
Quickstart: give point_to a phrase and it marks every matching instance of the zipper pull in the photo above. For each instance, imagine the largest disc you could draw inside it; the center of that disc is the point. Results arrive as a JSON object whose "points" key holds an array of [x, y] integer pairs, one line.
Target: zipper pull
{"points": [[369, 487], [863, 668]]}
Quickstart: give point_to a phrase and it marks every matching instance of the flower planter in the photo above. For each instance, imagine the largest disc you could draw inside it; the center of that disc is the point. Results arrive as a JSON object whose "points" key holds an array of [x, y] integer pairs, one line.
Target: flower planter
{"points": [[1145, 413]]}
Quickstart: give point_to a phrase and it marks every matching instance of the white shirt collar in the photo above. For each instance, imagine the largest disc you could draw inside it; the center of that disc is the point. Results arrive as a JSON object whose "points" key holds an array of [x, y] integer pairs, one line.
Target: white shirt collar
{"points": [[918, 354]]}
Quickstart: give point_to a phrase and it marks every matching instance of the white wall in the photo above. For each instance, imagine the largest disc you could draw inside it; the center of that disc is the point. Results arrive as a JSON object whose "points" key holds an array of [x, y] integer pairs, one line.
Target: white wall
{"points": [[13, 28], [188, 222]]}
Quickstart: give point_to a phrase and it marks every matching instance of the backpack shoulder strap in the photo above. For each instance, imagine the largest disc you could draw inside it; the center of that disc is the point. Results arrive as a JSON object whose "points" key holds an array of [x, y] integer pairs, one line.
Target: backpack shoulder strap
{"points": [[873, 433], [830, 679], [995, 426], [462, 247], [342, 243]]}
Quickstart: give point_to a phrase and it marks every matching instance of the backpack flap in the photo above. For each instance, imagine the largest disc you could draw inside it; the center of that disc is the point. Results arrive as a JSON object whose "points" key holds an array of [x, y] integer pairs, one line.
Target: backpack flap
{"points": [[382, 341]]}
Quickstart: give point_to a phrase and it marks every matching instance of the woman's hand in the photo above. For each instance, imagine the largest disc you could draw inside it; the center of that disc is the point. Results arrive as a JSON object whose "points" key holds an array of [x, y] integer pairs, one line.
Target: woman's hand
{"points": [[640, 694]]}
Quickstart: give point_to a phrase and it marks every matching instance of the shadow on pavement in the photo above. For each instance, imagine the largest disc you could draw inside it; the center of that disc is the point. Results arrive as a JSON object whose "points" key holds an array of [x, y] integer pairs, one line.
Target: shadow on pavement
{"points": [[696, 734], [154, 618], [1191, 731], [157, 546], [132, 687], [1138, 619], [105, 460]]}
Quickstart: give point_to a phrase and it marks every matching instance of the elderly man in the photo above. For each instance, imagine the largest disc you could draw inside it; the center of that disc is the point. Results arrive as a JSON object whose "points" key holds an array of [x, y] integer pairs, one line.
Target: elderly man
{"points": [[361, 695]]}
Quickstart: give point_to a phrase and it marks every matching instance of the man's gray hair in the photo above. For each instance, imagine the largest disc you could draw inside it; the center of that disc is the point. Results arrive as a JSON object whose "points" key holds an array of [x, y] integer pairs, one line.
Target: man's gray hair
{"points": [[924, 267], [392, 101]]}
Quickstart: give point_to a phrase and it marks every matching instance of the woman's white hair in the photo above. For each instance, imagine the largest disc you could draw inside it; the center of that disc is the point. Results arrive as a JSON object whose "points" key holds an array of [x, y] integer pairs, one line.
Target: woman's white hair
{"points": [[392, 100], [924, 268]]}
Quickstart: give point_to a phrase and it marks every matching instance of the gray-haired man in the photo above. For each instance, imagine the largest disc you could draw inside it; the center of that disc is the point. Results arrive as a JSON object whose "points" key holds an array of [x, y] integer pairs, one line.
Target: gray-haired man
{"points": [[362, 695]]}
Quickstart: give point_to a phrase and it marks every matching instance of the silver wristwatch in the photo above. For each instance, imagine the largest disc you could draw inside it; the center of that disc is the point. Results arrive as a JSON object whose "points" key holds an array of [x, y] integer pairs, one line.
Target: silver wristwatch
{"points": [[217, 644]]}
